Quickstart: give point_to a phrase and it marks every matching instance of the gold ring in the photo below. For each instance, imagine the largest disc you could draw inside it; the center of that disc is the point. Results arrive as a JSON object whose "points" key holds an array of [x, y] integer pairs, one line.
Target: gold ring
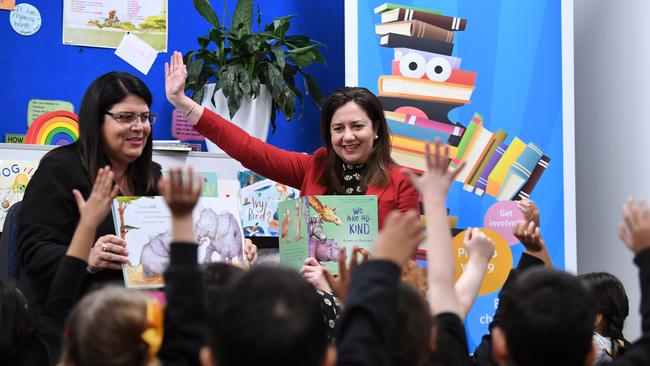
{"points": [[104, 247]]}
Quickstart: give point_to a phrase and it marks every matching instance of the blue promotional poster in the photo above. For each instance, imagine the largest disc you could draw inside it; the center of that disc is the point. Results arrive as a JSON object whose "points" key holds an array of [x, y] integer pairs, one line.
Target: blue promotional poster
{"points": [[493, 80]]}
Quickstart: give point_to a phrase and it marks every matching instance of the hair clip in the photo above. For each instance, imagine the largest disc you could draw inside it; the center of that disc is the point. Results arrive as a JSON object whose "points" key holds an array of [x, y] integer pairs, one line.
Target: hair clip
{"points": [[153, 335]]}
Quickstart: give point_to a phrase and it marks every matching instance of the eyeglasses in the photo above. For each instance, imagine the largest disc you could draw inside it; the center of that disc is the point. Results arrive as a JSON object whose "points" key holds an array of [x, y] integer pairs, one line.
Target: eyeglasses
{"points": [[130, 118]]}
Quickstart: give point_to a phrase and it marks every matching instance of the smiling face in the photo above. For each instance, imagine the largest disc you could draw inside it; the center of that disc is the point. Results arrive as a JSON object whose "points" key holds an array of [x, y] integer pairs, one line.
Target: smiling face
{"points": [[352, 134], [124, 142]]}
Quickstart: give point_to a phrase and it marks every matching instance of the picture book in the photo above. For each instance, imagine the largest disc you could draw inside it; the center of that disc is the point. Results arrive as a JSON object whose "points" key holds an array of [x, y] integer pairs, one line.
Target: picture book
{"points": [[318, 226], [258, 206], [14, 176], [145, 224]]}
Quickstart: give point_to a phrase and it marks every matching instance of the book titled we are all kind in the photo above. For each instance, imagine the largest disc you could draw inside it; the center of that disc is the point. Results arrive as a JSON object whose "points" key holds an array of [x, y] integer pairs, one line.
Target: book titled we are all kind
{"points": [[145, 224], [318, 226]]}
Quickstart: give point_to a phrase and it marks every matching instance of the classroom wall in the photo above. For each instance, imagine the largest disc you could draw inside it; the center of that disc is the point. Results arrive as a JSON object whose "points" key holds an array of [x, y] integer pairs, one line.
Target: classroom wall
{"points": [[612, 90], [41, 67]]}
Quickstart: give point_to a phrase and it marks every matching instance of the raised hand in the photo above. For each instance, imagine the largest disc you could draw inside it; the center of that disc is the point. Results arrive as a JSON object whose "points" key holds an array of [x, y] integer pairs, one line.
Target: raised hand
{"points": [[94, 210], [437, 179], [181, 193], [530, 210], [399, 237], [479, 247], [175, 75], [531, 237], [341, 283], [636, 230]]}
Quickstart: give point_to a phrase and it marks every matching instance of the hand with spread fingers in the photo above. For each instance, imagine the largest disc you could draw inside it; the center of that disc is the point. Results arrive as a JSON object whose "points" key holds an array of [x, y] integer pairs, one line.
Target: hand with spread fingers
{"points": [[635, 231], [92, 212], [437, 179], [341, 283], [175, 75]]}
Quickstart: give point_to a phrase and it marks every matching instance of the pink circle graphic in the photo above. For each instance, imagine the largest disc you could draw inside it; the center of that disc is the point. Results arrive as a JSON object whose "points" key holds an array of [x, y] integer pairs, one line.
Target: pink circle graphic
{"points": [[501, 217]]}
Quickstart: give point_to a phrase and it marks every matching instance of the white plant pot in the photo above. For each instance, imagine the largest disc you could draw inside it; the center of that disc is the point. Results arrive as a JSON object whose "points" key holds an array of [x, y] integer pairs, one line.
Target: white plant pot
{"points": [[254, 115]]}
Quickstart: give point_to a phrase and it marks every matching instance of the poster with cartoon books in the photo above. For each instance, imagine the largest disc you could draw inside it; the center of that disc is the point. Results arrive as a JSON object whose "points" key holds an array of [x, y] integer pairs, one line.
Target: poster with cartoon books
{"points": [[493, 80], [145, 224], [318, 226], [14, 176]]}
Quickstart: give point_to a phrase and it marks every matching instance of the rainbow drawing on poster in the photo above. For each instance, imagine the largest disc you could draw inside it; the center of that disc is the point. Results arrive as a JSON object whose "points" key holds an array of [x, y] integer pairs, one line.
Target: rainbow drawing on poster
{"points": [[54, 128]]}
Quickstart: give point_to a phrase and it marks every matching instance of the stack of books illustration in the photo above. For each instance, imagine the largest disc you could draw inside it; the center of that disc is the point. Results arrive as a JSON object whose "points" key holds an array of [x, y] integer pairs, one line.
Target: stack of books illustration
{"points": [[425, 83]]}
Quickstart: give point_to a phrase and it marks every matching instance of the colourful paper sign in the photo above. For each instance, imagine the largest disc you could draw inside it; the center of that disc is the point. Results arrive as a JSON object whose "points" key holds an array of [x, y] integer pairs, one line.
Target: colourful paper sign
{"points": [[38, 107], [13, 138], [7, 4], [25, 19], [182, 128], [136, 53]]}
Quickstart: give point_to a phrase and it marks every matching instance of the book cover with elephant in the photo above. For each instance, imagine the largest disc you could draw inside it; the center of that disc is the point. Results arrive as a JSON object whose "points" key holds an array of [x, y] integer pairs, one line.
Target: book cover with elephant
{"points": [[145, 224], [318, 226]]}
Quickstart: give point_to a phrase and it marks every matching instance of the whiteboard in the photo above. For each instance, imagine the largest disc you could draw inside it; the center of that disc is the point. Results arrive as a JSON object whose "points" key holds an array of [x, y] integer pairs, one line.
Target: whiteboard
{"points": [[224, 166]]}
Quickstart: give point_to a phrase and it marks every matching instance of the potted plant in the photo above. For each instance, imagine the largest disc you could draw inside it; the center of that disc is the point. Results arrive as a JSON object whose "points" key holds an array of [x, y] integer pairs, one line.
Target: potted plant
{"points": [[246, 64]]}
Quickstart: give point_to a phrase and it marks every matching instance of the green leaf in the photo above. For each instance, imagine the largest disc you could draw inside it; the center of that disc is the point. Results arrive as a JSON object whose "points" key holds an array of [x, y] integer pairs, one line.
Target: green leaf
{"points": [[205, 10], [312, 88], [259, 16], [276, 81], [281, 25], [243, 16], [279, 61], [204, 41]]}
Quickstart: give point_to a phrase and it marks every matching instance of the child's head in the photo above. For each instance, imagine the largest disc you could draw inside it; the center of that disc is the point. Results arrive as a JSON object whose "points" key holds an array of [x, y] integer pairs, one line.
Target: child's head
{"points": [[272, 316], [15, 326], [106, 328], [611, 303], [413, 325], [547, 318], [217, 276]]}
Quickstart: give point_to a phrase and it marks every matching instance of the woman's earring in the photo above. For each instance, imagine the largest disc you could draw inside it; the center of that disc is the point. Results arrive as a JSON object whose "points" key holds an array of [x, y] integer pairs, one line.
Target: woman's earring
{"points": [[376, 137]]}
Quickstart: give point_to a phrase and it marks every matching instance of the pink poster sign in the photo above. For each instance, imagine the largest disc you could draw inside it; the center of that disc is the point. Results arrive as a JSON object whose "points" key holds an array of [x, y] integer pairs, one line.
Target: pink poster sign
{"points": [[182, 128]]}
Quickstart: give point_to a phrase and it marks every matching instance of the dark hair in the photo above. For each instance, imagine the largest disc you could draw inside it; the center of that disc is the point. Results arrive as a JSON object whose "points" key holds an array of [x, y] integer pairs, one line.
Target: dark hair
{"points": [[413, 324], [272, 317], [611, 302], [106, 91], [548, 319], [376, 172], [216, 277], [15, 325]]}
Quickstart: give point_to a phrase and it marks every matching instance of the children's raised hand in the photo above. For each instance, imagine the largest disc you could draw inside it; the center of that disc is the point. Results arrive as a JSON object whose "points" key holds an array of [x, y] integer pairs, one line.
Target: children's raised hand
{"points": [[175, 75], [529, 235], [181, 192], [341, 283], [636, 230], [530, 210], [478, 245], [438, 176], [94, 210], [399, 238]]}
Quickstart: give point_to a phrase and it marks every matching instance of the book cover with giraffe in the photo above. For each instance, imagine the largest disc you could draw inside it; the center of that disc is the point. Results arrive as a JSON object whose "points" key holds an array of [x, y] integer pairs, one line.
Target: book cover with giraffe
{"points": [[318, 226]]}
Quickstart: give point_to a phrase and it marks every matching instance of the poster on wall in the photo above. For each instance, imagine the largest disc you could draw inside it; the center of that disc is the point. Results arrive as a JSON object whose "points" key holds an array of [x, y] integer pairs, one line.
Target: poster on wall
{"points": [[492, 80], [103, 23]]}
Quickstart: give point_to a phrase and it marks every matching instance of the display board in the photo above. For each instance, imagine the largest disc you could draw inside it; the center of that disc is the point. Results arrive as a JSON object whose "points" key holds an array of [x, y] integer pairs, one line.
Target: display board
{"points": [[493, 80]]}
